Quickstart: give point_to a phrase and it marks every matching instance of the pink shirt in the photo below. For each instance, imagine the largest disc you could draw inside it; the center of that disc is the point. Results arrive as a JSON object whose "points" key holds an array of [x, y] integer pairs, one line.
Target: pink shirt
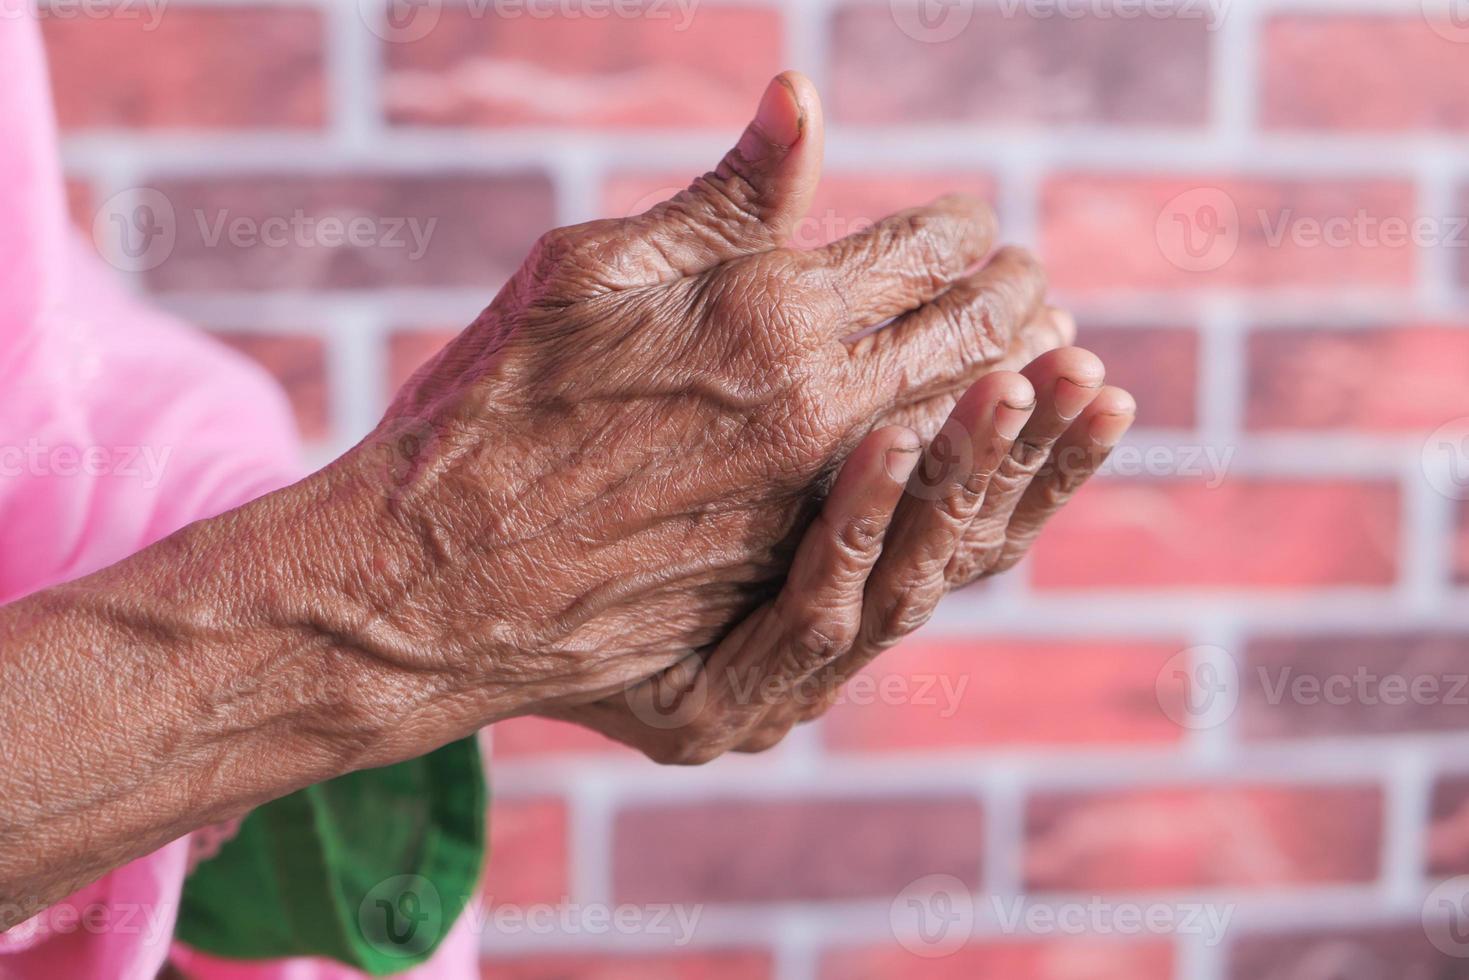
{"points": [[118, 425]]}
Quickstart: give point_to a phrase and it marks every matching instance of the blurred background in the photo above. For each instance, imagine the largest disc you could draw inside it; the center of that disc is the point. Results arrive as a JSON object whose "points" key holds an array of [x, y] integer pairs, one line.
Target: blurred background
{"points": [[1217, 727]]}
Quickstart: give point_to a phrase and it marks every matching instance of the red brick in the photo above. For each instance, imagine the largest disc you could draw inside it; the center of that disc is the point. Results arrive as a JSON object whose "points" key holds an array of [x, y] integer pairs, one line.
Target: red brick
{"points": [[1385, 952], [1461, 545], [1159, 365], [1202, 837], [565, 70], [999, 692], [528, 853], [1407, 380], [1271, 234], [536, 737], [734, 850], [1244, 533], [408, 350], [1448, 828], [690, 965], [845, 203], [1363, 72], [298, 362], [1359, 684], [1018, 69], [1069, 959], [444, 230], [196, 67]]}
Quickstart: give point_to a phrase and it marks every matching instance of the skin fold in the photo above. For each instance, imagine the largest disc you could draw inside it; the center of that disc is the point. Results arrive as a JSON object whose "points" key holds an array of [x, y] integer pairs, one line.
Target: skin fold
{"points": [[670, 485]]}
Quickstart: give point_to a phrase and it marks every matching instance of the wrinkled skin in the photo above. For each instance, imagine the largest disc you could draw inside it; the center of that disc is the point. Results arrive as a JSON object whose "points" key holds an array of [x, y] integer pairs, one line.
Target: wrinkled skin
{"points": [[613, 464], [676, 484]]}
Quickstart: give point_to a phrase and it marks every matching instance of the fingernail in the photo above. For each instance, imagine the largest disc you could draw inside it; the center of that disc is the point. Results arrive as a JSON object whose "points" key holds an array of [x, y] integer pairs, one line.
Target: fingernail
{"points": [[778, 122], [1010, 419], [900, 462], [1108, 429], [1071, 398]]}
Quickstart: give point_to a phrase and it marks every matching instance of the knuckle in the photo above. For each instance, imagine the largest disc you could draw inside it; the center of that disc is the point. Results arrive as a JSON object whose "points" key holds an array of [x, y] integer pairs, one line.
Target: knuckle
{"points": [[910, 610], [976, 325], [556, 246], [860, 537], [959, 502], [925, 241], [1026, 458], [1069, 468], [817, 640]]}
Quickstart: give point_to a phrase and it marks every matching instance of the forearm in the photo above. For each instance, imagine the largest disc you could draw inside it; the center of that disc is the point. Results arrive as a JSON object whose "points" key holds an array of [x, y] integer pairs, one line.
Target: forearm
{"points": [[207, 674]]}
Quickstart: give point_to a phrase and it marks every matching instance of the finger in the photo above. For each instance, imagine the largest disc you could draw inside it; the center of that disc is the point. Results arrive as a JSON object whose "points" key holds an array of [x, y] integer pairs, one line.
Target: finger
{"points": [[908, 258], [817, 614], [753, 200], [1065, 381], [943, 495], [944, 343], [1050, 328], [1077, 455]]}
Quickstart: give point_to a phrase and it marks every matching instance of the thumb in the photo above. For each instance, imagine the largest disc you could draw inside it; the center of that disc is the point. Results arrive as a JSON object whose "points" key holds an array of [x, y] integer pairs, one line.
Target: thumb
{"points": [[761, 189]]}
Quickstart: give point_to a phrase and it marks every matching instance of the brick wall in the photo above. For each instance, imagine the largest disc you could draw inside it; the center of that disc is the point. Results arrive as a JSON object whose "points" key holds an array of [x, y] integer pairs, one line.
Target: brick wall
{"points": [[1227, 689]]}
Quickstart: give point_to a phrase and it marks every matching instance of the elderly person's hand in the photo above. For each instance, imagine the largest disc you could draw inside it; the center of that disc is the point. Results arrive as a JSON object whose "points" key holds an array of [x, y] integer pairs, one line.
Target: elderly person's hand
{"points": [[876, 562], [610, 465], [595, 483]]}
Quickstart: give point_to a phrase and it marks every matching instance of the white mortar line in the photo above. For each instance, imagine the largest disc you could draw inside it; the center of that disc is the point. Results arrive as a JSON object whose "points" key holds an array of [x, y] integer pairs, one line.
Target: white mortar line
{"points": [[353, 77], [1409, 781]]}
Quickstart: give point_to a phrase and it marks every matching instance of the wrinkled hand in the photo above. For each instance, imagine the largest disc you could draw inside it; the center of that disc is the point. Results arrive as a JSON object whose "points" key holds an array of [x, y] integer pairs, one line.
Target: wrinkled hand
{"points": [[610, 466], [875, 563]]}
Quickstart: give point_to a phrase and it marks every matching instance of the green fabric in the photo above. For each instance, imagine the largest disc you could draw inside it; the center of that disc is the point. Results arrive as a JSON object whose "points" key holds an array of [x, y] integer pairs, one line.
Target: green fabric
{"points": [[370, 869]]}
